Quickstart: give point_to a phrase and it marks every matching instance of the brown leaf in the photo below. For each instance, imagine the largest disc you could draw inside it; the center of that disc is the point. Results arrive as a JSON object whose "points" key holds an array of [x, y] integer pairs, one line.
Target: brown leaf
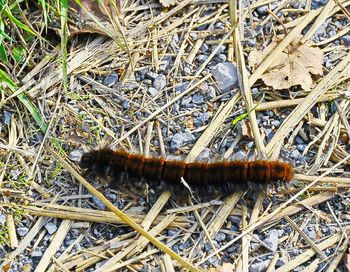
{"points": [[84, 22], [292, 67]]}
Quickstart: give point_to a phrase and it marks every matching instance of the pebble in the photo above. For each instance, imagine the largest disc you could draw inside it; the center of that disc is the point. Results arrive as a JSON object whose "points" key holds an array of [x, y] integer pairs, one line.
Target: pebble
{"points": [[211, 93], [98, 203], [222, 57], [159, 82], [164, 65], [111, 79], [310, 232], [204, 47], [15, 173], [181, 87], [180, 139], [262, 10], [151, 75], [187, 70], [220, 237], [36, 254], [2, 219], [51, 228], [194, 35], [251, 42], [316, 4], [346, 40], [280, 262], [205, 154], [75, 155], [275, 123], [272, 239], [125, 104], [7, 117], [258, 267], [22, 231], [153, 91], [201, 120], [208, 247], [202, 58], [295, 154], [225, 75], [186, 101], [197, 98]]}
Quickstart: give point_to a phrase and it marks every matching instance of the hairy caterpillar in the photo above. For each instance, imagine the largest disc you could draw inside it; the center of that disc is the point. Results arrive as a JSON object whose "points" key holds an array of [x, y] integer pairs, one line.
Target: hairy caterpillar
{"points": [[227, 175]]}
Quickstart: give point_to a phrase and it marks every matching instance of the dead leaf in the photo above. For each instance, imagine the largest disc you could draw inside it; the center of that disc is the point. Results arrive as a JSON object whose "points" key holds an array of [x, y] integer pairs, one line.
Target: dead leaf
{"points": [[167, 3], [292, 67], [84, 22]]}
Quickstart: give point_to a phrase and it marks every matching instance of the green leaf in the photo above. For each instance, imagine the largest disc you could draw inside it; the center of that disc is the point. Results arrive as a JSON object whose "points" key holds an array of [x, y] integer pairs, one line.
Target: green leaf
{"points": [[24, 100], [17, 22], [18, 53], [3, 54]]}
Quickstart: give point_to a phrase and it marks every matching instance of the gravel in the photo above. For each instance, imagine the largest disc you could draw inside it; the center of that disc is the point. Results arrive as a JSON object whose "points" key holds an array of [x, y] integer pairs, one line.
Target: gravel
{"points": [[159, 82], [225, 75], [51, 228]]}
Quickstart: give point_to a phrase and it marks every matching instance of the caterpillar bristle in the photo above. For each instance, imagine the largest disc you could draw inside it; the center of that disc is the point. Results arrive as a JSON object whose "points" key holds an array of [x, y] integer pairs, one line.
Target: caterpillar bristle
{"points": [[227, 176]]}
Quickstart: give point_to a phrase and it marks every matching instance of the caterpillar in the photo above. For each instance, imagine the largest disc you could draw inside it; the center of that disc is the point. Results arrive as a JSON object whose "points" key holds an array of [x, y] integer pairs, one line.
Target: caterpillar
{"points": [[226, 175]]}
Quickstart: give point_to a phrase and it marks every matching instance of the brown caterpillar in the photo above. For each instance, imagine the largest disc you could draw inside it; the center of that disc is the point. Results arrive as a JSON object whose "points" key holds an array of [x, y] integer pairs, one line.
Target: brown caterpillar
{"points": [[227, 175]]}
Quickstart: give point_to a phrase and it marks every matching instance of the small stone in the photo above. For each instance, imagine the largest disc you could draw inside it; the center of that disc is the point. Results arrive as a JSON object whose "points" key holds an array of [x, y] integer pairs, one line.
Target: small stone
{"points": [[225, 75], [2, 219], [258, 267], [111, 79], [15, 173], [205, 154], [22, 231], [197, 98], [295, 154], [187, 70], [75, 155], [202, 58], [160, 82], [208, 247], [262, 10], [201, 120], [7, 117], [51, 228], [153, 91], [272, 239], [275, 123], [280, 262], [181, 87], [316, 4], [164, 64], [222, 57], [186, 101], [180, 139], [311, 233], [194, 35], [301, 147], [297, 5], [98, 203], [211, 93], [220, 237], [36, 254], [125, 104], [346, 40], [151, 75], [204, 47], [251, 42]]}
